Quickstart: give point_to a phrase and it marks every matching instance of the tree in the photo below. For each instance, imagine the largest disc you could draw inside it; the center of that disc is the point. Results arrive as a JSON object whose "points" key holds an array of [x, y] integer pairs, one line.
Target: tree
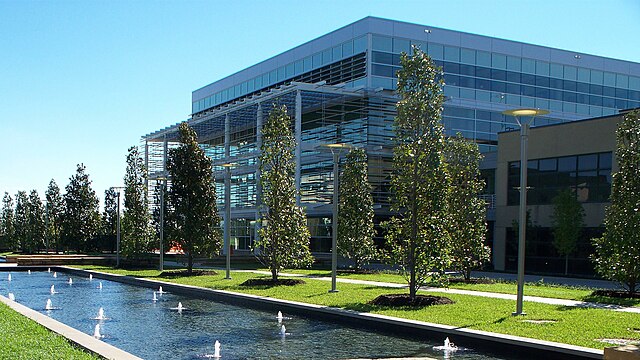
{"points": [[36, 226], [53, 215], [7, 230], [109, 223], [137, 234], [194, 219], [567, 221], [466, 210], [417, 236], [81, 218], [355, 218], [284, 241], [617, 252], [21, 221]]}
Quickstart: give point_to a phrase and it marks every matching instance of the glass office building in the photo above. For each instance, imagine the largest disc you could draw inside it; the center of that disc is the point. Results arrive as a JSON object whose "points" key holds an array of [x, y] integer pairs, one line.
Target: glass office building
{"points": [[340, 88]]}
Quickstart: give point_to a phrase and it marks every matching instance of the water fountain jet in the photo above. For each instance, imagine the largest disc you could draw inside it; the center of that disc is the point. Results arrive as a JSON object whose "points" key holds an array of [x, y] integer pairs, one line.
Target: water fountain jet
{"points": [[12, 297], [9, 277], [279, 317], [70, 281], [52, 290], [55, 274], [155, 297], [100, 285], [96, 332], [90, 277], [101, 315]]}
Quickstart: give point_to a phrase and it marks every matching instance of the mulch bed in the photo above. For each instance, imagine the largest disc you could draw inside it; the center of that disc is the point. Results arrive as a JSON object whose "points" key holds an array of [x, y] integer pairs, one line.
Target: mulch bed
{"points": [[397, 300], [184, 273], [271, 282], [357, 271], [616, 294]]}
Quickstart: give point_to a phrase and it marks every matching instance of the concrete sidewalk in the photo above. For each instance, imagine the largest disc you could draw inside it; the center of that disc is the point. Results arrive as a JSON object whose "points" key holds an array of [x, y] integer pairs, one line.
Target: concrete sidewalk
{"points": [[536, 299]]}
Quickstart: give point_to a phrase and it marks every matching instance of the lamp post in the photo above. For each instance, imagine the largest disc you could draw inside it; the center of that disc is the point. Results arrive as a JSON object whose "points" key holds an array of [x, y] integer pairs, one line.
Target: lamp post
{"points": [[227, 215], [529, 114], [163, 181], [336, 150], [117, 189]]}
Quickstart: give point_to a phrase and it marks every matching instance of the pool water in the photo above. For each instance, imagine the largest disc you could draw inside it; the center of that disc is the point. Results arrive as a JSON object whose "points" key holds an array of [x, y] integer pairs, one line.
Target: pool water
{"points": [[153, 330]]}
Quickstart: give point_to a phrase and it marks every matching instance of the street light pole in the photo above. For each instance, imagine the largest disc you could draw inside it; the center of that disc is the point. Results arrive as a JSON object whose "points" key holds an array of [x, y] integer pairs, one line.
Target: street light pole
{"points": [[336, 149], [117, 189], [162, 189], [227, 216], [522, 222]]}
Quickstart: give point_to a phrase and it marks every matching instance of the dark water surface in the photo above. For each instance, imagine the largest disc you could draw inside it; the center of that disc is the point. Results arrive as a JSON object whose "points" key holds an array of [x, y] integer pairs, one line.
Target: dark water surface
{"points": [[154, 331]]}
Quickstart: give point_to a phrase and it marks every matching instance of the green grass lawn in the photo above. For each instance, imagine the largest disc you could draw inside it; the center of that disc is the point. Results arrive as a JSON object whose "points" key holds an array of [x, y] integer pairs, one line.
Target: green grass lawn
{"points": [[24, 339], [576, 326]]}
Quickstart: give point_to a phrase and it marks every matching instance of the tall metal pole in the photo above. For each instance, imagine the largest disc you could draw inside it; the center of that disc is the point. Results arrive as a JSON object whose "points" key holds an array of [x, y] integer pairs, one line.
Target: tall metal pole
{"points": [[161, 267], [227, 217], [334, 227], [118, 234], [522, 222]]}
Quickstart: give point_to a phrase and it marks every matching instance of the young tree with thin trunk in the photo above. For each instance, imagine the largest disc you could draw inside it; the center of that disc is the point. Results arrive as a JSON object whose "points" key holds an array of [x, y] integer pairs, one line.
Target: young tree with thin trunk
{"points": [[21, 222], [54, 209], [417, 236], [7, 230], [36, 225], [137, 234], [81, 217], [284, 241], [194, 219], [355, 218], [617, 252], [109, 219], [466, 210], [567, 221]]}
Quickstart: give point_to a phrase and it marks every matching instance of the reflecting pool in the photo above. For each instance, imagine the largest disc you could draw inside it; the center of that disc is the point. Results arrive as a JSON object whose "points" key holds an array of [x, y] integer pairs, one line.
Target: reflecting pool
{"points": [[132, 321]]}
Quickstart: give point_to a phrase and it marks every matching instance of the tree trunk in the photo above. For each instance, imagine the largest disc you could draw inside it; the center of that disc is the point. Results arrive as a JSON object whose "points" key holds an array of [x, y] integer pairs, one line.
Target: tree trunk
{"points": [[566, 264], [274, 274], [467, 275], [190, 263], [414, 233]]}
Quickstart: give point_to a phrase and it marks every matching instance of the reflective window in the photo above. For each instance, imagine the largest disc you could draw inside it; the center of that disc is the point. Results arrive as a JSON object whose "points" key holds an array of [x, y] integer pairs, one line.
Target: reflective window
{"points": [[347, 49], [382, 43], [452, 53], [401, 45], [483, 58], [468, 56]]}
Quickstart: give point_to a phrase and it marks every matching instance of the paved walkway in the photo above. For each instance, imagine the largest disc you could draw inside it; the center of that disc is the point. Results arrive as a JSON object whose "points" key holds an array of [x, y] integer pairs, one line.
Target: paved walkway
{"points": [[537, 299]]}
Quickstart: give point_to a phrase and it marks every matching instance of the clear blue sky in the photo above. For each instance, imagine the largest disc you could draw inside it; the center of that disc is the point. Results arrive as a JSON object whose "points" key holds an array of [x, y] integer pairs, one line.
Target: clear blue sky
{"points": [[81, 81]]}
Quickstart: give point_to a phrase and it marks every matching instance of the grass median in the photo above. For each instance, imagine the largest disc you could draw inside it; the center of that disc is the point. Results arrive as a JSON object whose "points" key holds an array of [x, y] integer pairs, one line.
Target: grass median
{"points": [[570, 325], [23, 338]]}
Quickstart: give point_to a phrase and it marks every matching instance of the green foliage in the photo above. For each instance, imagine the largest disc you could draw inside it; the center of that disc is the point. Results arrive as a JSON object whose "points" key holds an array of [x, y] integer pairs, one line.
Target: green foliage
{"points": [[193, 220], [567, 222], [7, 229], [466, 210], [54, 210], [36, 225], [109, 219], [617, 252], [137, 234], [284, 241], [21, 222], [355, 218], [81, 218], [417, 236]]}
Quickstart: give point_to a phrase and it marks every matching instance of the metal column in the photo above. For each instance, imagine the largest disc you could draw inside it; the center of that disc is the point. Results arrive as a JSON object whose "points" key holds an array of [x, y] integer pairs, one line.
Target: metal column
{"points": [[227, 151], [258, 173], [298, 129]]}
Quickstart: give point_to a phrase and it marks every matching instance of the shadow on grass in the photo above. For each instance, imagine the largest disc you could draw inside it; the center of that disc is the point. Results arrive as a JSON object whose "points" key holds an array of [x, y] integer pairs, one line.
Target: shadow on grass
{"points": [[611, 301]]}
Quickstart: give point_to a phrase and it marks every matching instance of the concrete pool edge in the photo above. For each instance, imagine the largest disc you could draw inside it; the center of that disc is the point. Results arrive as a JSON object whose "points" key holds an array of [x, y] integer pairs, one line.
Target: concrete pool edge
{"points": [[77, 337], [498, 341]]}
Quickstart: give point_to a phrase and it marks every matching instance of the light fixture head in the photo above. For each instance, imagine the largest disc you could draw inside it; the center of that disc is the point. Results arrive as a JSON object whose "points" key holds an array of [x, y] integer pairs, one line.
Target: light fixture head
{"points": [[229, 165], [525, 112]]}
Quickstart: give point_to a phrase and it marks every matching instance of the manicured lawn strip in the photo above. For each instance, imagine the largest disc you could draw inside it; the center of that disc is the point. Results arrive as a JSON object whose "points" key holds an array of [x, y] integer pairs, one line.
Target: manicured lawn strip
{"points": [[577, 326], [23, 338]]}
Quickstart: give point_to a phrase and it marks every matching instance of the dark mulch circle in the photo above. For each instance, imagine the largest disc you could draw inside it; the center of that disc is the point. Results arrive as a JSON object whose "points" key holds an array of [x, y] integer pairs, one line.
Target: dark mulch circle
{"points": [[616, 294], [358, 271], [184, 272], [271, 282], [472, 281], [398, 300]]}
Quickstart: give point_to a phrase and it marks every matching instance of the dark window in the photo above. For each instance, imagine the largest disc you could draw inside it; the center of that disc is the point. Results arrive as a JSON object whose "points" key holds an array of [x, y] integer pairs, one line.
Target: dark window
{"points": [[484, 115], [483, 72], [528, 90], [513, 76], [608, 91], [569, 85], [595, 89], [555, 83], [467, 82], [513, 89], [528, 79], [467, 70], [608, 102], [451, 67], [542, 81], [582, 98], [483, 84], [569, 96], [547, 164], [567, 163], [582, 87], [622, 93], [451, 79], [605, 161], [498, 86], [383, 70], [588, 162], [622, 104], [595, 100], [381, 57], [555, 94], [498, 74], [634, 95], [542, 93]]}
